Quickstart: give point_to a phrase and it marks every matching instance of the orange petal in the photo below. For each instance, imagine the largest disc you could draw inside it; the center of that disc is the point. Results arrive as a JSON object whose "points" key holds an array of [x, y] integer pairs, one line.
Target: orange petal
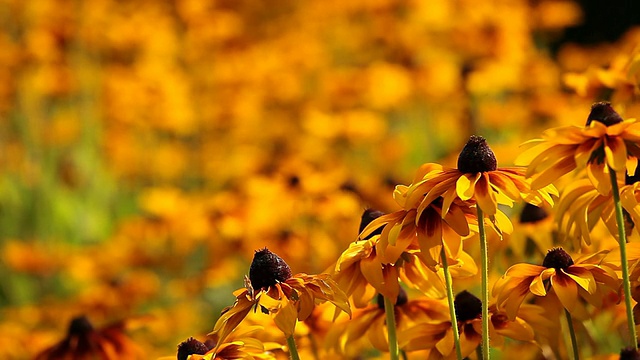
{"points": [[465, 185], [485, 196], [616, 153], [566, 290]]}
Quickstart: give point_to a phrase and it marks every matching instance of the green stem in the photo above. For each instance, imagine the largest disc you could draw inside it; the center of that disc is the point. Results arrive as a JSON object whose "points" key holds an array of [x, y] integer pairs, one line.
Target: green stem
{"points": [[633, 337], [485, 284], [293, 350], [389, 310], [572, 332], [452, 308]]}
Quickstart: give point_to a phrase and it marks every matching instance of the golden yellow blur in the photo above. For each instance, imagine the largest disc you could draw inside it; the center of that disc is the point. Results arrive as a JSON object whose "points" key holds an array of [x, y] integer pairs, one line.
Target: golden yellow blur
{"points": [[148, 148]]}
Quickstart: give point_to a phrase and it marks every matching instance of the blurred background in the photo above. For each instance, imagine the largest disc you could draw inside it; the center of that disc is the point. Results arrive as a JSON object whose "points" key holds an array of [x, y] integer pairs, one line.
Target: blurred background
{"points": [[147, 148]]}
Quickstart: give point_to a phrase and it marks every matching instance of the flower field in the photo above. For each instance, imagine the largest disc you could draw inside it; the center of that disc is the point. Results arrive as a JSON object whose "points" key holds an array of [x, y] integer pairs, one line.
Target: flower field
{"points": [[371, 179]]}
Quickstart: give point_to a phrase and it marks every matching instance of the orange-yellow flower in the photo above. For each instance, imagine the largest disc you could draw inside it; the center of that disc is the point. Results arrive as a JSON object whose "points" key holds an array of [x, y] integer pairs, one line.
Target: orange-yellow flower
{"points": [[477, 179], [426, 228], [587, 278], [374, 263], [439, 336], [287, 298], [606, 142]]}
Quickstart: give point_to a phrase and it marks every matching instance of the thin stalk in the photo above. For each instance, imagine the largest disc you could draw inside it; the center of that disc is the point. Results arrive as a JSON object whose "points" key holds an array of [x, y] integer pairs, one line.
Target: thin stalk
{"points": [[389, 310], [452, 308], [485, 285], [293, 350], [572, 332], [633, 337]]}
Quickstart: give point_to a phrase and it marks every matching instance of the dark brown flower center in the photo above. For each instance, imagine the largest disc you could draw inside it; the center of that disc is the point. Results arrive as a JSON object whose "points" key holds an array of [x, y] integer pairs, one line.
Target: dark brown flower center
{"points": [[267, 269], [80, 326], [476, 156], [557, 258], [532, 214], [367, 217], [604, 113], [467, 306], [191, 346], [629, 354], [400, 300]]}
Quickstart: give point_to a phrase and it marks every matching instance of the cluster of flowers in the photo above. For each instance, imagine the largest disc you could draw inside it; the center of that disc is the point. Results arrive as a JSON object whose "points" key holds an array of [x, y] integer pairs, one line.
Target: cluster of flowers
{"points": [[138, 175], [423, 246]]}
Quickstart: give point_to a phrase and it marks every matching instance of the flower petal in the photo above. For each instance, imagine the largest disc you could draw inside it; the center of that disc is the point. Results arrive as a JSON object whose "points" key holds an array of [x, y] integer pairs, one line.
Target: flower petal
{"points": [[465, 186], [616, 153], [566, 290]]}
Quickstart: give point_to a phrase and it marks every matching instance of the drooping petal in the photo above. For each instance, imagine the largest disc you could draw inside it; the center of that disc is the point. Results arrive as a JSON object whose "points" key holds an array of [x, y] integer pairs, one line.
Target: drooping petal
{"points": [[465, 186], [485, 196], [566, 290], [551, 174], [582, 277], [599, 176], [232, 317], [616, 153]]}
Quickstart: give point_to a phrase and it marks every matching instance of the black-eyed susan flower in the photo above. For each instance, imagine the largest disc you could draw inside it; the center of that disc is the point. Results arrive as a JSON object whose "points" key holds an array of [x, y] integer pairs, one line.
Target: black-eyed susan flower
{"points": [[439, 337], [476, 178], [427, 228], [271, 288], [374, 263], [587, 278], [83, 341], [605, 142]]}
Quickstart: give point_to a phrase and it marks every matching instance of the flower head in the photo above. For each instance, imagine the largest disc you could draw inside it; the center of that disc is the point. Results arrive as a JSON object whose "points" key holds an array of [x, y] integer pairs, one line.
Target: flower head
{"points": [[477, 180], [606, 142], [439, 336], [191, 346], [587, 278], [286, 298], [267, 269]]}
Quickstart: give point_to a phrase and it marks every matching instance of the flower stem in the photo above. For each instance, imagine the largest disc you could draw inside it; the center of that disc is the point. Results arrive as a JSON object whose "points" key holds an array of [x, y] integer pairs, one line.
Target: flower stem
{"points": [[389, 310], [574, 342], [485, 284], [452, 309], [293, 350], [633, 338]]}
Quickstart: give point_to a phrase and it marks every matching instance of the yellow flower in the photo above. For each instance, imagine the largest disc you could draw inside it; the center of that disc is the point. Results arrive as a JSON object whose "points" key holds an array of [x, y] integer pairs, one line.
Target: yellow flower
{"points": [[606, 142], [477, 179], [388, 249], [426, 227], [286, 298], [439, 336], [587, 278]]}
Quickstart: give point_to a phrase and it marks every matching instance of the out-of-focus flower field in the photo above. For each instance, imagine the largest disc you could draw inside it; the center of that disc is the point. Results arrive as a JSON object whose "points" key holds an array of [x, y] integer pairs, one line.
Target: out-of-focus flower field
{"points": [[149, 148]]}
